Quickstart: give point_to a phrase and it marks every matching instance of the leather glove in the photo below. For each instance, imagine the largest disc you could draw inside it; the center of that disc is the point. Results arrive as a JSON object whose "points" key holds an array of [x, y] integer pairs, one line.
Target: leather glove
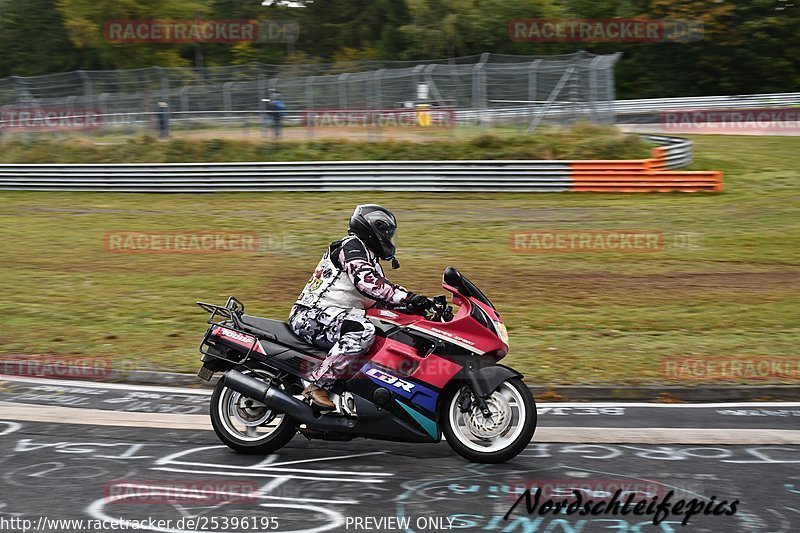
{"points": [[419, 303]]}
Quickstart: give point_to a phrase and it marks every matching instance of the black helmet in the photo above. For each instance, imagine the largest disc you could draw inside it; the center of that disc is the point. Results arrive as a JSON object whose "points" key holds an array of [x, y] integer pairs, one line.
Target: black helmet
{"points": [[376, 226]]}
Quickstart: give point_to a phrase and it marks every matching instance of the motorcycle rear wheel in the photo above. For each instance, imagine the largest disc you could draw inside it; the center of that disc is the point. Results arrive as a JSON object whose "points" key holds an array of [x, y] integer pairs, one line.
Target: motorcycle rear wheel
{"points": [[247, 426], [499, 438]]}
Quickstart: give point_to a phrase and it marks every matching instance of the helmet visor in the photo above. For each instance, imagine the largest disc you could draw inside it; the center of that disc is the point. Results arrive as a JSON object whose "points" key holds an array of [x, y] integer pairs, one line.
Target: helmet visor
{"points": [[385, 229]]}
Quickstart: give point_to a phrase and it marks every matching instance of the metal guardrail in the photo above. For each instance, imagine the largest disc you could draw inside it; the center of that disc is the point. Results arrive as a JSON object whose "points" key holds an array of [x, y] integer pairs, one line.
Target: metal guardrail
{"points": [[656, 105], [421, 176], [629, 110], [675, 151]]}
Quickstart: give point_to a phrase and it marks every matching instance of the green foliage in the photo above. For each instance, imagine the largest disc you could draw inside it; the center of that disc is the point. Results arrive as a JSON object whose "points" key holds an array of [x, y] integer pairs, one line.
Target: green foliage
{"points": [[748, 45], [20, 24]]}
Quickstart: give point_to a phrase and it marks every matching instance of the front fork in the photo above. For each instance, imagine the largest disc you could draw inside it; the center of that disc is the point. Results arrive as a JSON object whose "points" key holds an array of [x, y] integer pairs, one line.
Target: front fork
{"points": [[479, 394]]}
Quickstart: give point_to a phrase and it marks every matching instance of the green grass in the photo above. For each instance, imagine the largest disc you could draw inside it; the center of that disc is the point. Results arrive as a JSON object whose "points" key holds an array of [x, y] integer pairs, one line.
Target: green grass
{"points": [[581, 142], [573, 318]]}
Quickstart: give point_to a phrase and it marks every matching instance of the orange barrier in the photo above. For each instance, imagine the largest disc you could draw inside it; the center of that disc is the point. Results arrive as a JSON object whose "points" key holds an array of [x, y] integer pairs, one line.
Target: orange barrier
{"points": [[641, 175]]}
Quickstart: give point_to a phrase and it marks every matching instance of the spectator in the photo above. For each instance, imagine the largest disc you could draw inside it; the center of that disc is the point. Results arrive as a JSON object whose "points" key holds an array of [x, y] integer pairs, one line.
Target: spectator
{"points": [[278, 107], [266, 115], [163, 119]]}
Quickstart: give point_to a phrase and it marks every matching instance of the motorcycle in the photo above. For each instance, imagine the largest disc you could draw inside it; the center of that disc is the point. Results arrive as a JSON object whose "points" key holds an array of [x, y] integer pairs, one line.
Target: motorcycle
{"points": [[428, 375]]}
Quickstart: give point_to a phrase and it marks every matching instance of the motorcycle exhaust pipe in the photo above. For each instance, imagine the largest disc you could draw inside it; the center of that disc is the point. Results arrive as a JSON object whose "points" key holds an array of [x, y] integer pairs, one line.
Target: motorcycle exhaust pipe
{"points": [[278, 400]]}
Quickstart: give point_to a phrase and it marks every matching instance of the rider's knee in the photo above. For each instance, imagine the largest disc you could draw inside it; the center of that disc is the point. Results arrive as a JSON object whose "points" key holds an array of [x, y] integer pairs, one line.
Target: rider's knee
{"points": [[351, 326]]}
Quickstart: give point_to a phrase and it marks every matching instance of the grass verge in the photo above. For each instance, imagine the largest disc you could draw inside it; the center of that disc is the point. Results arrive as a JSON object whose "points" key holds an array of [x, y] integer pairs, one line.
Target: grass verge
{"points": [[584, 141], [724, 285]]}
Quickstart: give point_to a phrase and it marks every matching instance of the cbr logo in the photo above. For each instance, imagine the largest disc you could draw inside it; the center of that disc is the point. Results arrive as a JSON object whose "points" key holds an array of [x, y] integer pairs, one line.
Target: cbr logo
{"points": [[234, 335], [390, 380]]}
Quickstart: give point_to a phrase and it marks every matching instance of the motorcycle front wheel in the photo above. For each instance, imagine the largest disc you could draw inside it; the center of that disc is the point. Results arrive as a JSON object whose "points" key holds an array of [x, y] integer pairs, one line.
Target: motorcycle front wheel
{"points": [[495, 439], [246, 425]]}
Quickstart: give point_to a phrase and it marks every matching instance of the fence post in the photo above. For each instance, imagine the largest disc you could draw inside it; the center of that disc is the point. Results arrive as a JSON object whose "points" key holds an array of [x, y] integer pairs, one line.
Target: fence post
{"points": [[479, 89], [164, 81], [87, 92], [309, 92], [262, 86], [432, 85], [226, 97], [307, 118], [539, 115], [533, 86], [184, 97], [591, 97], [533, 81], [415, 78], [610, 96], [377, 89], [102, 104], [341, 85], [23, 93]]}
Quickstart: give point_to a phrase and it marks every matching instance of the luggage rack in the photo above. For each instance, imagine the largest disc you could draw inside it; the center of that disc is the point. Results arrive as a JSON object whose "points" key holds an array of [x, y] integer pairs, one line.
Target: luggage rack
{"points": [[228, 317], [232, 310]]}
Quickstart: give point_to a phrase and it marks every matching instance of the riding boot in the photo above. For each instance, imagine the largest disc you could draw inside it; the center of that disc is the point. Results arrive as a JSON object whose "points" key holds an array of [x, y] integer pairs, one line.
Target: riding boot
{"points": [[319, 397]]}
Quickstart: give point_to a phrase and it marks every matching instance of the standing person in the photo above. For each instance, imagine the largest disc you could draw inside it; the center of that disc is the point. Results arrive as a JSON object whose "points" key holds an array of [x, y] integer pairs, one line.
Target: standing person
{"points": [[163, 119], [266, 115], [329, 313], [278, 107]]}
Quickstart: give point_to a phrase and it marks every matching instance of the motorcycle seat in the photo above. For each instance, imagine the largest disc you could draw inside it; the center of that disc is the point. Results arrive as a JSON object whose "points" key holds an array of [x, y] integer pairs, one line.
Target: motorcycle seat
{"points": [[282, 333]]}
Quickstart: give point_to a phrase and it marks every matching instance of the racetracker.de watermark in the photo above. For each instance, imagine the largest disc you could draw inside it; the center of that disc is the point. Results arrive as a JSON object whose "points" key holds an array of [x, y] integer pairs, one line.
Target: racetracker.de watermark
{"points": [[56, 366], [27, 118], [730, 368], [596, 241], [553, 30], [380, 118], [201, 31], [190, 242], [751, 120], [213, 491]]}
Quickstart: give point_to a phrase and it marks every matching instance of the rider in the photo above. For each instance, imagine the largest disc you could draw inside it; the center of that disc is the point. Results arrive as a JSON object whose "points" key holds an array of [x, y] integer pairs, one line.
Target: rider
{"points": [[349, 279]]}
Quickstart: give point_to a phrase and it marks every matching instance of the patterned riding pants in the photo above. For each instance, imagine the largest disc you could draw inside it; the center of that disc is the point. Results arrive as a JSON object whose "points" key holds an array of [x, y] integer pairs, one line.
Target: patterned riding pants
{"points": [[344, 333]]}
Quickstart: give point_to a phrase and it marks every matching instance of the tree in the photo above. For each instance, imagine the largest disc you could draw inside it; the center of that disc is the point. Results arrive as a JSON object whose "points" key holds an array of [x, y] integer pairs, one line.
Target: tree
{"points": [[85, 20], [34, 40]]}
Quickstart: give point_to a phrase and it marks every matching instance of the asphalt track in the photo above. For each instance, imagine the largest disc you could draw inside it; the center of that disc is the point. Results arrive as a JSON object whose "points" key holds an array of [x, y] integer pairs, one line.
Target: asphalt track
{"points": [[93, 451]]}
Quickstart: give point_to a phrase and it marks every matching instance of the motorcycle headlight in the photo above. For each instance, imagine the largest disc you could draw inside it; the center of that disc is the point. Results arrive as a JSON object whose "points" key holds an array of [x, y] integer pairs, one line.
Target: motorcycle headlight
{"points": [[495, 325], [501, 330]]}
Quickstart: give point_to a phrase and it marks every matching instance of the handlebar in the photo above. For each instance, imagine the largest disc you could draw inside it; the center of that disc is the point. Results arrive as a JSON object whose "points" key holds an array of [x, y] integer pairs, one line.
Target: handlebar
{"points": [[439, 310]]}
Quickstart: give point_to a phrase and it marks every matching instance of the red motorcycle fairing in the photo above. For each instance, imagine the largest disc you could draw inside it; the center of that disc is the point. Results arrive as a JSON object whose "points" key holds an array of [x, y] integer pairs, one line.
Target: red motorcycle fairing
{"points": [[415, 378], [464, 330], [405, 360]]}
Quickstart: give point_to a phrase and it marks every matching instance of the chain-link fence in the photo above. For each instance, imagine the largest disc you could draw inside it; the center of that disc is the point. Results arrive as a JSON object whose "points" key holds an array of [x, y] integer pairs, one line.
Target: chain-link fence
{"points": [[487, 89]]}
